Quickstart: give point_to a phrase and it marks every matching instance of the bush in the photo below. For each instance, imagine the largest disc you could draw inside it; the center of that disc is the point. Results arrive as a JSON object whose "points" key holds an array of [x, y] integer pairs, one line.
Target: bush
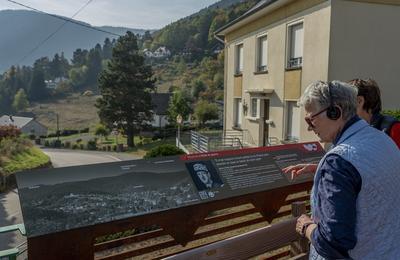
{"points": [[163, 150], [69, 132], [393, 113], [9, 131], [92, 144], [54, 143], [46, 143], [67, 144], [75, 146], [84, 130], [13, 146]]}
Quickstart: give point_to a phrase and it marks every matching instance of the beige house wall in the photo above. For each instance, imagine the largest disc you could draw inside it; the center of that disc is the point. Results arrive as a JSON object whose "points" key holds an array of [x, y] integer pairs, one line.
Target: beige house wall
{"points": [[316, 21], [365, 40]]}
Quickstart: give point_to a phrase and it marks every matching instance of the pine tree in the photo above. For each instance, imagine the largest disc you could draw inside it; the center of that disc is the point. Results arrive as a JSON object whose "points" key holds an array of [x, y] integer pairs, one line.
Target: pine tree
{"points": [[37, 86], [125, 86], [107, 49]]}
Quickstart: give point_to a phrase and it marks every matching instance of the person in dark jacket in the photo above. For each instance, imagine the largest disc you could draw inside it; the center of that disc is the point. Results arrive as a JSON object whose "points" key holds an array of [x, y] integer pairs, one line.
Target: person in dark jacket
{"points": [[369, 107]]}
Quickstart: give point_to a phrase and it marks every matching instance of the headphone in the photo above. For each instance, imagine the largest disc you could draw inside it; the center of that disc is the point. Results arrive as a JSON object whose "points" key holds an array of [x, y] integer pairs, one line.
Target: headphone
{"points": [[333, 112]]}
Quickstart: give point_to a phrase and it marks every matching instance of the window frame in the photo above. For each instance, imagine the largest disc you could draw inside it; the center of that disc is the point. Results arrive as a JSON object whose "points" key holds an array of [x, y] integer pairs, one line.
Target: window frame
{"points": [[239, 63], [237, 112], [257, 107], [289, 117], [294, 62], [259, 52]]}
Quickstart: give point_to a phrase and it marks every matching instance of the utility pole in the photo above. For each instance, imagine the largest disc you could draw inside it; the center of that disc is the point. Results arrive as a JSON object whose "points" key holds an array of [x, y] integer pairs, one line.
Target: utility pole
{"points": [[58, 129]]}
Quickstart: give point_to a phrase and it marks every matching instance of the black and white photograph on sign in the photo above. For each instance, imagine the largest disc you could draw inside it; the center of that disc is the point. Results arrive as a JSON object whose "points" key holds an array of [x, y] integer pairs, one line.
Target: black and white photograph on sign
{"points": [[65, 198], [205, 176]]}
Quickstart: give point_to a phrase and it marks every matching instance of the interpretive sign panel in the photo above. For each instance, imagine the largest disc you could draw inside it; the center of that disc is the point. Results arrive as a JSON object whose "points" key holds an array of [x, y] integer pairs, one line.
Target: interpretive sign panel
{"points": [[54, 200]]}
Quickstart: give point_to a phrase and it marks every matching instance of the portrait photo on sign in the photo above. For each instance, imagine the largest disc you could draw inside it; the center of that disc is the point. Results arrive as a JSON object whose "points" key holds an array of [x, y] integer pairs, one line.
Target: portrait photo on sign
{"points": [[204, 174]]}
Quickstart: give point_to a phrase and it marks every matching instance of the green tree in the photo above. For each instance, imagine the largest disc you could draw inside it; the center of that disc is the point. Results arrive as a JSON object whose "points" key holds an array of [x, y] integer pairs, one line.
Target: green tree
{"points": [[198, 86], [205, 111], [20, 101], [77, 76], [37, 87], [125, 87], [79, 57], [8, 88], [179, 104], [102, 130], [94, 63], [107, 49], [56, 67]]}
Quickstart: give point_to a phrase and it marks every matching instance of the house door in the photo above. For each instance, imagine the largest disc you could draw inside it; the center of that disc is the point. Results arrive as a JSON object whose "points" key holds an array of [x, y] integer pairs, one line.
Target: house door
{"points": [[265, 118]]}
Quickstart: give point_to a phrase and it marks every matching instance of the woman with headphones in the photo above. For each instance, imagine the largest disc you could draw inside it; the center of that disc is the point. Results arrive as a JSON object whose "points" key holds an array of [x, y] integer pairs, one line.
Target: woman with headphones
{"points": [[354, 196]]}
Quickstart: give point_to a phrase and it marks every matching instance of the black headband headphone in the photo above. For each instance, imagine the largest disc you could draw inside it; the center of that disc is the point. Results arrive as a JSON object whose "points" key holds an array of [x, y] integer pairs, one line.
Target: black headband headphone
{"points": [[332, 112]]}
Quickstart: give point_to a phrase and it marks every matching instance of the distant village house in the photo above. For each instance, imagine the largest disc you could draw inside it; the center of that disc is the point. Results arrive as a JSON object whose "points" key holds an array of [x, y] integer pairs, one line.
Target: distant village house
{"points": [[27, 125], [52, 84], [161, 52]]}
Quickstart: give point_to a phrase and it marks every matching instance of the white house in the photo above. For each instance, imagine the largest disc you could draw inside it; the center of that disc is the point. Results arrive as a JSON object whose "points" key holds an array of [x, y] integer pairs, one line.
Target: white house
{"points": [[161, 52], [27, 125]]}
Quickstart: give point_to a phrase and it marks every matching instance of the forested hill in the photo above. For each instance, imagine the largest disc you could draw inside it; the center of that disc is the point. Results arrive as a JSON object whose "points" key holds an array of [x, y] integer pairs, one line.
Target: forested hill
{"points": [[195, 33], [21, 31]]}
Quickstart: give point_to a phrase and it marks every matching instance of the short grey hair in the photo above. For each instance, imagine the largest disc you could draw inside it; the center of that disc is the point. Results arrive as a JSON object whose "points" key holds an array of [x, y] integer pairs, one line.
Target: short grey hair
{"points": [[344, 96]]}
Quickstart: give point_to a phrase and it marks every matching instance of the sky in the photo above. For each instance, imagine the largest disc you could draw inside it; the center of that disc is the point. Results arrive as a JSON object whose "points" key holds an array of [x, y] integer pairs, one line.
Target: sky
{"points": [[138, 14]]}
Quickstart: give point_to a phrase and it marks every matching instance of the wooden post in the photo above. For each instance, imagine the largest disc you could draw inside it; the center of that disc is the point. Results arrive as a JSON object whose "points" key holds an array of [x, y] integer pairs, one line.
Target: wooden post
{"points": [[300, 246], [71, 244]]}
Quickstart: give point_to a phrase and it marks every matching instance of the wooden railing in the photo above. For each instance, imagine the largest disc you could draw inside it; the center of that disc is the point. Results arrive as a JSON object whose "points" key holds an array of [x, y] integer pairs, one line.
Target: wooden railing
{"points": [[256, 242], [166, 233]]}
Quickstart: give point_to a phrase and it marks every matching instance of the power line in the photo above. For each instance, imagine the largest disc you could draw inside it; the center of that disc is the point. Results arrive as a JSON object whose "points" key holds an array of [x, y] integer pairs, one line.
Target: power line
{"points": [[53, 33], [65, 19]]}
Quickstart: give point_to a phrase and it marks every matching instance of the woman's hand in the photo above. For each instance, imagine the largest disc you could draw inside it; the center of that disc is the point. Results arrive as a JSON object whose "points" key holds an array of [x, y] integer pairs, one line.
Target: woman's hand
{"points": [[299, 169], [305, 226]]}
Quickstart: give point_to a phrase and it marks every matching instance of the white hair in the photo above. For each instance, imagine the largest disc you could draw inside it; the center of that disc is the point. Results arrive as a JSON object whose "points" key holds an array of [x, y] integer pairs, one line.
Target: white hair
{"points": [[320, 95]]}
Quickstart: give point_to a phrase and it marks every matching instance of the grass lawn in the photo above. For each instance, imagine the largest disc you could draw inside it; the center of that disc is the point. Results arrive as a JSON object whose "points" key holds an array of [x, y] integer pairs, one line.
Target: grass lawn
{"points": [[29, 159]]}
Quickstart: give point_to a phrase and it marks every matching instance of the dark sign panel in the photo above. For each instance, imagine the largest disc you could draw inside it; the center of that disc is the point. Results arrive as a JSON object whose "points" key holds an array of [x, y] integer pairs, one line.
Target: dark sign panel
{"points": [[55, 200]]}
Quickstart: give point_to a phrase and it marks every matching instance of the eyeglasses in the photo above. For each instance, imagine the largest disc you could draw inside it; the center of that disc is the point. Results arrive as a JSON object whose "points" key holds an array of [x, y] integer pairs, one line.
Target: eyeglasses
{"points": [[309, 119]]}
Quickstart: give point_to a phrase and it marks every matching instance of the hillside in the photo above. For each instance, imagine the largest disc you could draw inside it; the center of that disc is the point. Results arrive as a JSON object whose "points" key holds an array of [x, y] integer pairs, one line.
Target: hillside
{"points": [[195, 34], [23, 30], [75, 112], [194, 67]]}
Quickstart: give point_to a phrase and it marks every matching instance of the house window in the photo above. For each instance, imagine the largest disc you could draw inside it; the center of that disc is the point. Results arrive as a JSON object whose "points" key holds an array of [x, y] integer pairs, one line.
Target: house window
{"points": [[237, 110], [262, 46], [239, 59], [295, 55], [254, 107], [293, 121]]}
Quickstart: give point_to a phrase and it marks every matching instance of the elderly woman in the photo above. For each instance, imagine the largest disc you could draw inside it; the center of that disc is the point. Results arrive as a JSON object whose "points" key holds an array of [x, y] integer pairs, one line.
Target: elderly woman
{"points": [[355, 195]]}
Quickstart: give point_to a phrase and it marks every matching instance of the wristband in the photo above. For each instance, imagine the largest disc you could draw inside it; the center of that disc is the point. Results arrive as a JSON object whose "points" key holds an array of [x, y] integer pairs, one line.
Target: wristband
{"points": [[304, 228]]}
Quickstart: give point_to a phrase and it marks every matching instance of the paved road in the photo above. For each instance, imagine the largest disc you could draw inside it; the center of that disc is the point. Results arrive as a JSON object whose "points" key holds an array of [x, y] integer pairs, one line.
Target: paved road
{"points": [[10, 211]]}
